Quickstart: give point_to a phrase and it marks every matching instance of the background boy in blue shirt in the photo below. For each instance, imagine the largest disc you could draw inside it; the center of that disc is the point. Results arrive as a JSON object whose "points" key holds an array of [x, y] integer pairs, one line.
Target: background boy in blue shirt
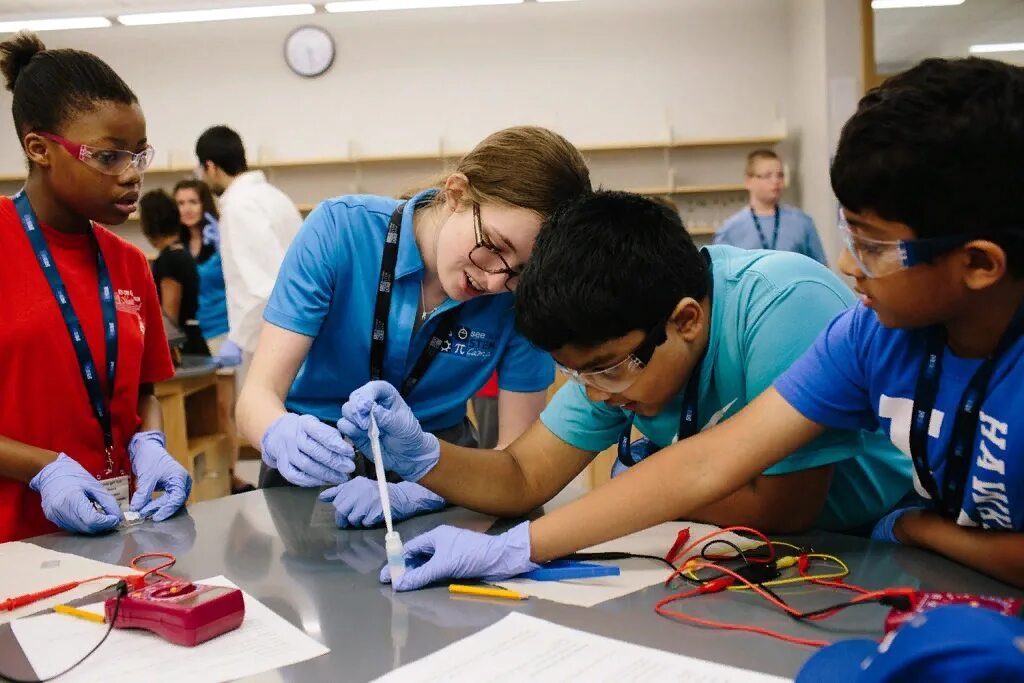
{"points": [[766, 223], [929, 171]]}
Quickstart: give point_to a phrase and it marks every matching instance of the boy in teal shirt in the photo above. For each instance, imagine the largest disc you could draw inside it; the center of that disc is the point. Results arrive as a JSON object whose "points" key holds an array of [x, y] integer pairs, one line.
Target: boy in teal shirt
{"points": [[723, 324]]}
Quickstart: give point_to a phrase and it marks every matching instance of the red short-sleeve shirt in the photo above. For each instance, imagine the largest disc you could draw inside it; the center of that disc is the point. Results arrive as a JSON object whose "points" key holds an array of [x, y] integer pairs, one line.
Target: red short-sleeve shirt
{"points": [[43, 401]]}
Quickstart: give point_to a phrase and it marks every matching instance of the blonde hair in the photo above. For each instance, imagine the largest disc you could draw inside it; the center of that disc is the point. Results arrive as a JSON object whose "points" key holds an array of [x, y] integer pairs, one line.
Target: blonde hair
{"points": [[759, 155], [524, 166]]}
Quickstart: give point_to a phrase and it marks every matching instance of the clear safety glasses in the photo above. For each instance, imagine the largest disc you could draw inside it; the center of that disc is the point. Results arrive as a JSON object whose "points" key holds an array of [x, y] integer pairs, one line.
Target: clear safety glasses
{"points": [[622, 375], [106, 161], [878, 258]]}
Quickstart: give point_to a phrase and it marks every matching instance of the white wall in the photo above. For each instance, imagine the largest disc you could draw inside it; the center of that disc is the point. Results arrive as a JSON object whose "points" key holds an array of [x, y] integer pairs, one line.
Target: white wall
{"points": [[597, 71]]}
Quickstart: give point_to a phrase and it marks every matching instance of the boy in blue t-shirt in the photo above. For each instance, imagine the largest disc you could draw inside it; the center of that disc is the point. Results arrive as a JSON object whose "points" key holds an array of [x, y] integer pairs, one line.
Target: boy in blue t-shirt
{"points": [[929, 171]]}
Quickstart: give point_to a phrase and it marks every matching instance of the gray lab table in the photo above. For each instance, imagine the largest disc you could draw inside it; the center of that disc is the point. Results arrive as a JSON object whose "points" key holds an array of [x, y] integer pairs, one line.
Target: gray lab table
{"points": [[280, 545]]}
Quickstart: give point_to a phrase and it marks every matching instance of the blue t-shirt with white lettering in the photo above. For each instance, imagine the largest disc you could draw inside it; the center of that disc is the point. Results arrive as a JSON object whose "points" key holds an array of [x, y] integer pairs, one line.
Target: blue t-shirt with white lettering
{"points": [[862, 374], [327, 289], [767, 308]]}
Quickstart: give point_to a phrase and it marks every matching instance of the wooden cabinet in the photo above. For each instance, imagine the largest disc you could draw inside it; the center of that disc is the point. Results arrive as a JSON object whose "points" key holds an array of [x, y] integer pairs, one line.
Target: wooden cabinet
{"points": [[198, 420]]}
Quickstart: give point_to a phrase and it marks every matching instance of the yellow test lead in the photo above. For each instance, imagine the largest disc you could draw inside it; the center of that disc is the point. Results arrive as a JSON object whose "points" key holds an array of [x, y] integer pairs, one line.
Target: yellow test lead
{"points": [[486, 592], [80, 613]]}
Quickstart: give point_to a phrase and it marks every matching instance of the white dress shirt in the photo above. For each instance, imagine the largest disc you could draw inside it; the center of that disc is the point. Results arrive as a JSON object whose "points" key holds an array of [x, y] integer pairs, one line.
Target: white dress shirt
{"points": [[257, 223]]}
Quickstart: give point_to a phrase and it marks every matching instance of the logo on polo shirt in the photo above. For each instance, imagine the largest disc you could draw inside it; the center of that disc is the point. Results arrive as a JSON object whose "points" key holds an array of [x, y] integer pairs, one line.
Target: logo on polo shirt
{"points": [[466, 342], [126, 301]]}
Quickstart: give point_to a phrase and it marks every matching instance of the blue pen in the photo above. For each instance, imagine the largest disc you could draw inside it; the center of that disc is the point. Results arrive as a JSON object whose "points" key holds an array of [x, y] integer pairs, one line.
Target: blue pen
{"points": [[564, 570]]}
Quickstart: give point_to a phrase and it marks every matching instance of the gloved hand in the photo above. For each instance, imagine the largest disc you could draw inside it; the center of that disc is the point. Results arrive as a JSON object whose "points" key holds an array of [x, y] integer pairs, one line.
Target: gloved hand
{"points": [[357, 502], [452, 553], [229, 355], [885, 529], [211, 231], [306, 451], [405, 447], [638, 450], [68, 494], [156, 470]]}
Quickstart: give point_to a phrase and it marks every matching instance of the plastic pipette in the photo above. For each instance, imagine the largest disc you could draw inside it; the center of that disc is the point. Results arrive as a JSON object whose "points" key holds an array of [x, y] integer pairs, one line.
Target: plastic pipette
{"points": [[392, 541]]}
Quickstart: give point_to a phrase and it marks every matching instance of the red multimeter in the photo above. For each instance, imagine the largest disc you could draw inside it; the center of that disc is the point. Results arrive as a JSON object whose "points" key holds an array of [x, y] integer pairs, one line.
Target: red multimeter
{"points": [[181, 612], [926, 600]]}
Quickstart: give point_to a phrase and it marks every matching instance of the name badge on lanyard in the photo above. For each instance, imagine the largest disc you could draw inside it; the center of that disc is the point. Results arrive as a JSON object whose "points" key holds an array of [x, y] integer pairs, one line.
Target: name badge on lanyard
{"points": [[98, 401], [960, 453], [379, 334]]}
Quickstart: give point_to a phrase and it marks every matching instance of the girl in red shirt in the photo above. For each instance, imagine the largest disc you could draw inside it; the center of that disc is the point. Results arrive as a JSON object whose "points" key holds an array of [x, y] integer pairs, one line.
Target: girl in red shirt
{"points": [[82, 340]]}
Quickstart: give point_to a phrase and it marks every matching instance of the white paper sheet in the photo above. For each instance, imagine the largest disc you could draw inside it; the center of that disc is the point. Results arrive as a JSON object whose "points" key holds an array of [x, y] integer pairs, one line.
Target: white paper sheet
{"points": [[524, 648], [263, 642], [635, 574], [27, 568]]}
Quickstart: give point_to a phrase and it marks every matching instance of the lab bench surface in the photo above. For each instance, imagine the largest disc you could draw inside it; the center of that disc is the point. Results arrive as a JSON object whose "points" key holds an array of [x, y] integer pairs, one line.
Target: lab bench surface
{"points": [[281, 546]]}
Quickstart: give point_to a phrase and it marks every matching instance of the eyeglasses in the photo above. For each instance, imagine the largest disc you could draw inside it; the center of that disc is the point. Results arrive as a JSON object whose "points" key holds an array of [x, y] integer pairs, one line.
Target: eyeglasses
{"points": [[878, 258], [106, 161], [485, 255], [623, 374]]}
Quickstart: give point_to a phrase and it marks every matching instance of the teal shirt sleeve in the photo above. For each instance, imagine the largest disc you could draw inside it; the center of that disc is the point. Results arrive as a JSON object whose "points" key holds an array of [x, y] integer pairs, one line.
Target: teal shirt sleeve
{"points": [[580, 422], [305, 282], [775, 337], [524, 368]]}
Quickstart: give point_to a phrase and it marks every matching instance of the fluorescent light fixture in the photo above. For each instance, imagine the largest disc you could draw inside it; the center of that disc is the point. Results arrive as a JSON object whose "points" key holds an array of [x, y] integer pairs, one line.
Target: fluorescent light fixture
{"points": [[53, 24], [224, 14], [379, 5], [902, 4], [996, 47]]}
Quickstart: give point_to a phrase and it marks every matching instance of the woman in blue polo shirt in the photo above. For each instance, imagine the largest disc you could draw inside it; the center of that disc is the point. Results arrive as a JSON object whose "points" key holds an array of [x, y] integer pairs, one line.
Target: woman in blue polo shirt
{"points": [[417, 293]]}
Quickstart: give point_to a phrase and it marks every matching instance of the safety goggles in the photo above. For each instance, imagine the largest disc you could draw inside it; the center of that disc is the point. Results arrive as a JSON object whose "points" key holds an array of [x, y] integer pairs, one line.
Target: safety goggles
{"points": [[106, 161], [622, 375], [878, 258]]}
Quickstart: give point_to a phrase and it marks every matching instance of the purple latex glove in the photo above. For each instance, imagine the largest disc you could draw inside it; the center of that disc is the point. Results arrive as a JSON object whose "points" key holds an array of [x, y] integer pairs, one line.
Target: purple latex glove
{"points": [[306, 451], [68, 494], [885, 529], [451, 553], [405, 448], [357, 502], [229, 355], [156, 470]]}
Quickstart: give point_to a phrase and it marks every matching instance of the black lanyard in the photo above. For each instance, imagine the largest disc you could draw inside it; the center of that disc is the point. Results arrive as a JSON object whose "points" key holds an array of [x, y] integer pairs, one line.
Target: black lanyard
{"points": [[688, 415], [379, 335], [965, 425], [760, 233], [90, 376]]}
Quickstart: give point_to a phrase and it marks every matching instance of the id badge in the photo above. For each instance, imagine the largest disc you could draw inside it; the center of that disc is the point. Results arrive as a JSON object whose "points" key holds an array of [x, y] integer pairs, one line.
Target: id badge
{"points": [[118, 487]]}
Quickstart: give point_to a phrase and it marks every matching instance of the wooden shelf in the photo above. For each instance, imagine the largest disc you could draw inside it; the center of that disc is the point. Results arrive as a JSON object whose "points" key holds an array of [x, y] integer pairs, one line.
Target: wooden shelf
{"points": [[440, 156], [202, 444], [689, 189]]}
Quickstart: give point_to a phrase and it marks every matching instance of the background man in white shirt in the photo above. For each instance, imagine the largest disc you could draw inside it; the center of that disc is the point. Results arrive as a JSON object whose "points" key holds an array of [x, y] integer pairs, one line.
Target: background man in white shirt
{"points": [[257, 223]]}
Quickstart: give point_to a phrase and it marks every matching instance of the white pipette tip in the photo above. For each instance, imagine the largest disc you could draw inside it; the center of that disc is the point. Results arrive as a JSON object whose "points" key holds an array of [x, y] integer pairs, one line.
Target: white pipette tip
{"points": [[396, 556], [378, 466]]}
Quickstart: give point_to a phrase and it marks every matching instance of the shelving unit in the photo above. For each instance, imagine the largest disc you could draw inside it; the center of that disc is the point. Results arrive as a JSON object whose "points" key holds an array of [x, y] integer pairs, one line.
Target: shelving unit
{"points": [[700, 176]]}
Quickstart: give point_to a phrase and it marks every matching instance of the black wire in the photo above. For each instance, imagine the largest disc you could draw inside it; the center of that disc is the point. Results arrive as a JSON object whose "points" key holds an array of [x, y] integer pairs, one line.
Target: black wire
{"points": [[583, 557], [739, 550], [122, 590]]}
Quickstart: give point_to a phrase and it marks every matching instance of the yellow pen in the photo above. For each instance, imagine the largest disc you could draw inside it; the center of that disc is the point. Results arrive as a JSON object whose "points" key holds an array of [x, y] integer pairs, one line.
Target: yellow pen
{"points": [[80, 613], [485, 592]]}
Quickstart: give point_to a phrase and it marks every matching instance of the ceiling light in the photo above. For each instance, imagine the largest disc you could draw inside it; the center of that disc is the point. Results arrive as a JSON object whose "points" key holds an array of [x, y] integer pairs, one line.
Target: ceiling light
{"points": [[53, 24], [901, 4], [188, 16], [378, 5], [997, 47]]}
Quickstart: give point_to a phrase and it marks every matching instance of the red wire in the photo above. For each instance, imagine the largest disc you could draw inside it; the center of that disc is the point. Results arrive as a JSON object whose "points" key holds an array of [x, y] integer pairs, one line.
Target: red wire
{"points": [[722, 583], [157, 570]]}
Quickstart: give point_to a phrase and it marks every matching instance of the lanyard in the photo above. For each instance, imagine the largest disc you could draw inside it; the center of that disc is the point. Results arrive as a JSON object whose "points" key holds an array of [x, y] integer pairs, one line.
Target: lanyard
{"points": [[90, 376], [965, 424], [379, 335], [760, 233], [688, 416]]}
